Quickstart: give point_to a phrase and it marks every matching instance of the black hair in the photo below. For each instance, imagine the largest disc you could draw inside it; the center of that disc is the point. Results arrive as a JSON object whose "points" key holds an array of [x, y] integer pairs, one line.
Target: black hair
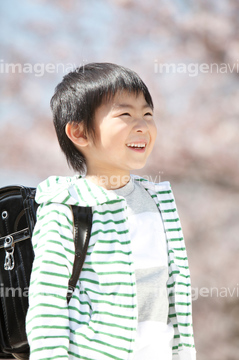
{"points": [[81, 92]]}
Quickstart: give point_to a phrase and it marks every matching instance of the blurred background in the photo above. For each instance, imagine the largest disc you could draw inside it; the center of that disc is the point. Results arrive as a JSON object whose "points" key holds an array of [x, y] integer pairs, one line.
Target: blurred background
{"points": [[187, 52]]}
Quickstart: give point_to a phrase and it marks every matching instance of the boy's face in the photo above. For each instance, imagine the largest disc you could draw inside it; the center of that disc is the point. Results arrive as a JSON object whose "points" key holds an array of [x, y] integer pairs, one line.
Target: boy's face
{"points": [[125, 134]]}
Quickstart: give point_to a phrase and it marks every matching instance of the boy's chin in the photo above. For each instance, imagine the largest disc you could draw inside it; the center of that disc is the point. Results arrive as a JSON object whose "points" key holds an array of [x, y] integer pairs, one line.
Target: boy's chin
{"points": [[138, 167]]}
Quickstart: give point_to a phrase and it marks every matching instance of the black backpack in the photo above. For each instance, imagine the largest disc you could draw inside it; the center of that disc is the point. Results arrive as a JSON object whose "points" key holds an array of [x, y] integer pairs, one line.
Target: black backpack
{"points": [[17, 220]]}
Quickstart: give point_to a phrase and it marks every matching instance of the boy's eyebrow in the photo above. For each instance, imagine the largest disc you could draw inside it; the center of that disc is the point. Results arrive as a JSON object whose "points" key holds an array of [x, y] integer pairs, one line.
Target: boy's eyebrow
{"points": [[120, 106]]}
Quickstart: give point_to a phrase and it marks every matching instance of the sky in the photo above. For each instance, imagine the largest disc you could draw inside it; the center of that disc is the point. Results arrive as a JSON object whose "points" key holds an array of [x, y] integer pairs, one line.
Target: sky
{"points": [[47, 39]]}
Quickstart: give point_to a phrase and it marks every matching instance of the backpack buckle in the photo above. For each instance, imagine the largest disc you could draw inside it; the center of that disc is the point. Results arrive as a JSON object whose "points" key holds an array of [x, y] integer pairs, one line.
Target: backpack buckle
{"points": [[9, 250]]}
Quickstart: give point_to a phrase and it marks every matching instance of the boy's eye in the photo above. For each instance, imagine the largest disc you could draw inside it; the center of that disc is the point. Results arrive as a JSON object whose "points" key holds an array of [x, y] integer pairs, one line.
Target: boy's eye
{"points": [[125, 114], [148, 113]]}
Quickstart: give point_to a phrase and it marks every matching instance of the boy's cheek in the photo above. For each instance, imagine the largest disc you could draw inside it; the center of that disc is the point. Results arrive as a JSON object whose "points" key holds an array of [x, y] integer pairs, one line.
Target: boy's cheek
{"points": [[153, 135], [155, 130]]}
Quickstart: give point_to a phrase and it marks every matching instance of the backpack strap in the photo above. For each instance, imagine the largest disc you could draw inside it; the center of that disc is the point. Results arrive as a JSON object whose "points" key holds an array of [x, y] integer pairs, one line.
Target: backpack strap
{"points": [[82, 228]]}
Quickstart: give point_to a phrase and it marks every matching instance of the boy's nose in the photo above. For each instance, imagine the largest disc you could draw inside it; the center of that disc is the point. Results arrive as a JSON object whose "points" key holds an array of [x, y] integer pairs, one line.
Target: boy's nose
{"points": [[141, 126]]}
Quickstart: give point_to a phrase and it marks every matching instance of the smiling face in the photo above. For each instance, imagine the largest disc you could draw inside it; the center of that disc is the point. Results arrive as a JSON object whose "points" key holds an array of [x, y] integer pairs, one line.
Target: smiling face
{"points": [[125, 133]]}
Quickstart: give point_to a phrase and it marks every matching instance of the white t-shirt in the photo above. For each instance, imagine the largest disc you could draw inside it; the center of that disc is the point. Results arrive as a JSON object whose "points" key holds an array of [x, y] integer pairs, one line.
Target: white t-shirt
{"points": [[149, 249]]}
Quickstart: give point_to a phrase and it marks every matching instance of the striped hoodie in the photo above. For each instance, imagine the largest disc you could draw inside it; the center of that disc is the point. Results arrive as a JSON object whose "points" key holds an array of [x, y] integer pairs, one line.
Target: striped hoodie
{"points": [[100, 321]]}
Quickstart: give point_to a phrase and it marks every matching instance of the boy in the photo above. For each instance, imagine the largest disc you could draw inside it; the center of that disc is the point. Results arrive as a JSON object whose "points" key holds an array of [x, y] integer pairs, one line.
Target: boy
{"points": [[133, 297]]}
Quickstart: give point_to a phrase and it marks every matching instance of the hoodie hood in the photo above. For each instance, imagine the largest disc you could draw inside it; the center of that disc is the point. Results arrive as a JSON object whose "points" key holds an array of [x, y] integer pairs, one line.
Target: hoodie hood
{"points": [[79, 191], [74, 190]]}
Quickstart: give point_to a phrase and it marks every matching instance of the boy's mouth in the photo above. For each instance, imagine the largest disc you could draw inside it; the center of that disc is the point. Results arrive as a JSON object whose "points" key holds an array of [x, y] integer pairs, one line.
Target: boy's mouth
{"points": [[138, 146]]}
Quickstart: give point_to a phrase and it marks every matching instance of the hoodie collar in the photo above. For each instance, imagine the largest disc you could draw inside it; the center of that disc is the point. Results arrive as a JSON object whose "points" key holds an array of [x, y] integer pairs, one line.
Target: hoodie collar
{"points": [[74, 190], [79, 191]]}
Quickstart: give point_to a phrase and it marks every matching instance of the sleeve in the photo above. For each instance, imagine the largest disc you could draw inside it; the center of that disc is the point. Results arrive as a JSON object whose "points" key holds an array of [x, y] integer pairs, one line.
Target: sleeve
{"points": [[47, 322], [179, 284]]}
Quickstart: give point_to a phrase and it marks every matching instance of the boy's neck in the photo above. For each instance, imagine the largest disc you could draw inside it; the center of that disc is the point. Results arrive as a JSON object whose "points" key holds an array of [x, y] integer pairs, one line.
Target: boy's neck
{"points": [[109, 181]]}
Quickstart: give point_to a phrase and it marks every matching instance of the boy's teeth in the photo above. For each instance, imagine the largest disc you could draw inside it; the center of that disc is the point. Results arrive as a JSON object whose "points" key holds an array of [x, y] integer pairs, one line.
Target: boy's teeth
{"points": [[136, 145]]}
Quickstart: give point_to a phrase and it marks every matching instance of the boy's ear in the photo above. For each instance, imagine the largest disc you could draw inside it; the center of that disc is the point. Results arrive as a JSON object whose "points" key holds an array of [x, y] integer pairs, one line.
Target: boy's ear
{"points": [[76, 134]]}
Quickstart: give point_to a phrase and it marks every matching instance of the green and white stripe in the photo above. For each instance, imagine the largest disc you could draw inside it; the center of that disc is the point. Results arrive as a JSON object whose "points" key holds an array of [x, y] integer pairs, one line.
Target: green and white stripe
{"points": [[101, 319]]}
